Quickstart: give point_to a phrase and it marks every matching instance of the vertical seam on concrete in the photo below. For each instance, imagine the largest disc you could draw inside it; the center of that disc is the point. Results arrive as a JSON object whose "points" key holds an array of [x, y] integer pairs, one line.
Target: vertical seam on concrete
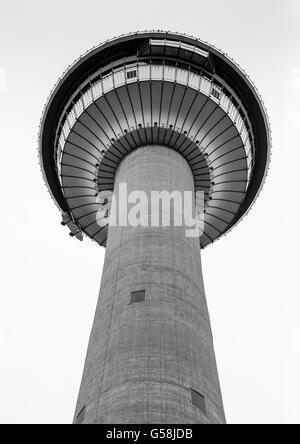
{"points": [[162, 346], [177, 343], [148, 340], [109, 331]]}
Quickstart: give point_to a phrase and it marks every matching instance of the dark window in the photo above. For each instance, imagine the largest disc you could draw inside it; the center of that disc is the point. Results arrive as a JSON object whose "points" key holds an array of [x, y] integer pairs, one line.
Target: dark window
{"points": [[131, 74], [216, 93], [138, 296], [198, 400], [80, 416]]}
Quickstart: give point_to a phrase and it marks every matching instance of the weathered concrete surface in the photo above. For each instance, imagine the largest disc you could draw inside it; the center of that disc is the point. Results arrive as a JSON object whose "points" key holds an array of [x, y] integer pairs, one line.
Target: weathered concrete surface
{"points": [[144, 358]]}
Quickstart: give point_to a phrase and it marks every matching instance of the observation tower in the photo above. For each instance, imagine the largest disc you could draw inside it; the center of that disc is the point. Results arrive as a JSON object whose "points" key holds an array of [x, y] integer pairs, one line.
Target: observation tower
{"points": [[157, 111]]}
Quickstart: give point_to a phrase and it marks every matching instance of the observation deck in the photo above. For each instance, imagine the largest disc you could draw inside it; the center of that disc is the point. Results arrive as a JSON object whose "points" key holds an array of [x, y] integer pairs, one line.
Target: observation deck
{"points": [[155, 88]]}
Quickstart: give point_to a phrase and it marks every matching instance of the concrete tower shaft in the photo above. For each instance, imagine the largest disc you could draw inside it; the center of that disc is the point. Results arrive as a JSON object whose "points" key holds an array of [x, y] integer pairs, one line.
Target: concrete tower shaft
{"points": [[148, 360]]}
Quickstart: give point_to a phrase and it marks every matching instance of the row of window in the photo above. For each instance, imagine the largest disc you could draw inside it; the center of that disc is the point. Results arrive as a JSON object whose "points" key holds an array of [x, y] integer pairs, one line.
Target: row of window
{"points": [[162, 73]]}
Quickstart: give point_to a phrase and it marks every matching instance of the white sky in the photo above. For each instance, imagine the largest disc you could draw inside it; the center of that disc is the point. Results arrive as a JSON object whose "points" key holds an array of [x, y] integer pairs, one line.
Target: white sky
{"points": [[49, 282]]}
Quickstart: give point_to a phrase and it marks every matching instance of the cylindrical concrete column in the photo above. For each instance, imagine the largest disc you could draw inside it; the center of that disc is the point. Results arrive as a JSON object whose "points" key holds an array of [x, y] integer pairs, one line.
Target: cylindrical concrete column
{"points": [[151, 360]]}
